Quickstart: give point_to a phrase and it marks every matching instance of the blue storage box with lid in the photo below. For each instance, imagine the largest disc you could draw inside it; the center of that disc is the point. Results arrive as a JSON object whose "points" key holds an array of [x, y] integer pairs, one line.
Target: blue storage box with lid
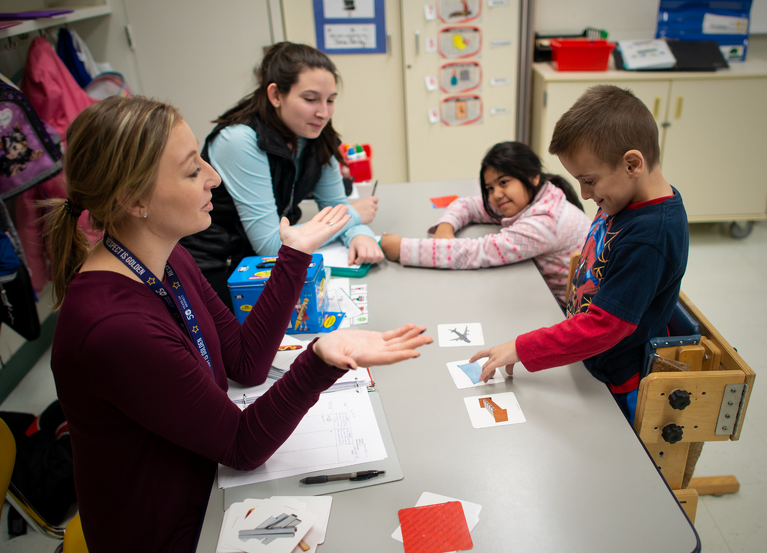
{"points": [[247, 283], [726, 22]]}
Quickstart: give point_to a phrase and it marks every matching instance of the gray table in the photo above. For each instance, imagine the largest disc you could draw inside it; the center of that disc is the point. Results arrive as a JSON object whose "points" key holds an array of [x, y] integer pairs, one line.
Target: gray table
{"points": [[573, 478]]}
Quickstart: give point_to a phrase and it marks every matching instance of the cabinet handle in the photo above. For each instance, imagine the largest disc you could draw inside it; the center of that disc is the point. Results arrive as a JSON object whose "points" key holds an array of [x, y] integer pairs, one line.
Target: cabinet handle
{"points": [[417, 42], [678, 113], [656, 108], [388, 42]]}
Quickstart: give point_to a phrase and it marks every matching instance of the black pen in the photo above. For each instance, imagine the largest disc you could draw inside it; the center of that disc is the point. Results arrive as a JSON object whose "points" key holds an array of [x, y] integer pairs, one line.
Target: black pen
{"points": [[352, 476], [374, 188]]}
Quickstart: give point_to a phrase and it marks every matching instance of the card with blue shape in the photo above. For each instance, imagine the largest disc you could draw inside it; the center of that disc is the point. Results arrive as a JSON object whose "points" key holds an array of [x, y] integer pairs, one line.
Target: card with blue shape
{"points": [[466, 374]]}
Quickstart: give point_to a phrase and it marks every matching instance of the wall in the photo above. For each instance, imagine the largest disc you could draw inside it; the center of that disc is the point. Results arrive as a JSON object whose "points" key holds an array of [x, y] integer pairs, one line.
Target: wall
{"points": [[371, 95], [624, 20]]}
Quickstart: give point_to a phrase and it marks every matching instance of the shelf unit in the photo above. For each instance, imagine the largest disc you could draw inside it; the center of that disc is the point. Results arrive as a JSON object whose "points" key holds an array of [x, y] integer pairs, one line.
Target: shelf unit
{"points": [[32, 25]]}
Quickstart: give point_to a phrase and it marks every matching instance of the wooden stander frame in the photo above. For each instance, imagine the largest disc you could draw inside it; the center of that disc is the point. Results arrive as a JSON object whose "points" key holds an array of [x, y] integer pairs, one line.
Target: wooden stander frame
{"points": [[719, 385]]}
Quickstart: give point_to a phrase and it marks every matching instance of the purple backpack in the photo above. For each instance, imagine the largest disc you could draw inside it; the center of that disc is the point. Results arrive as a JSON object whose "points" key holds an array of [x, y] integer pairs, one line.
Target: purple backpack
{"points": [[30, 150]]}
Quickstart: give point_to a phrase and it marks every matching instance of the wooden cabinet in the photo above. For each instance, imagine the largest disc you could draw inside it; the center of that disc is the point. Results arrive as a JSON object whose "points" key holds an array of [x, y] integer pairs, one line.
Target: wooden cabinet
{"points": [[711, 131]]}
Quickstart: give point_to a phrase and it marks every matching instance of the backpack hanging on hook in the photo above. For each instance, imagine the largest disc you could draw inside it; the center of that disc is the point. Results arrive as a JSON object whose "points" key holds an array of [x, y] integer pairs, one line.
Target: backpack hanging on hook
{"points": [[29, 148]]}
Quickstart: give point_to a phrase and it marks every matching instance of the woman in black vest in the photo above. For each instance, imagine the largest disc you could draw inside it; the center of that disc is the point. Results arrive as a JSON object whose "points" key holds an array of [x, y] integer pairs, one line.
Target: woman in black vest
{"points": [[272, 149]]}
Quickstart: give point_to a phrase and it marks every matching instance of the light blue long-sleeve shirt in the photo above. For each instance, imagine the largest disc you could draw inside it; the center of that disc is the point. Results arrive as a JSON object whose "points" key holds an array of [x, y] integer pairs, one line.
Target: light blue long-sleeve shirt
{"points": [[244, 167]]}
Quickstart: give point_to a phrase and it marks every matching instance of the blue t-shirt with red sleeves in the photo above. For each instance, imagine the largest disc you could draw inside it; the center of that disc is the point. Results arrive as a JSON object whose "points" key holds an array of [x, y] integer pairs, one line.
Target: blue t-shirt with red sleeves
{"points": [[632, 266]]}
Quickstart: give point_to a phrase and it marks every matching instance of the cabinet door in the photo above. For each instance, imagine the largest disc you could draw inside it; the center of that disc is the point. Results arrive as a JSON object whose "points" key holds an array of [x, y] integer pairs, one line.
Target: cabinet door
{"points": [[437, 151], [559, 97], [199, 57], [714, 145]]}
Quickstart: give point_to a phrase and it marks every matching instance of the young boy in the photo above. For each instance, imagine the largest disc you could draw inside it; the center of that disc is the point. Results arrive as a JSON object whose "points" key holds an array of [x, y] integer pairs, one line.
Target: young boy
{"points": [[628, 279]]}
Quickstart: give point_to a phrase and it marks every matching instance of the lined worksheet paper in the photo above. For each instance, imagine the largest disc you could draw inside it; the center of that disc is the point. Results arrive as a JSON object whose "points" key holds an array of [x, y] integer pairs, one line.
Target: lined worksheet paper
{"points": [[340, 430]]}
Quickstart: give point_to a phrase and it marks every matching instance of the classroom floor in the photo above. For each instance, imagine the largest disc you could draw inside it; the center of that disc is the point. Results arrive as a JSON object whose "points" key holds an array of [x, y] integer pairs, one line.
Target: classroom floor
{"points": [[727, 280]]}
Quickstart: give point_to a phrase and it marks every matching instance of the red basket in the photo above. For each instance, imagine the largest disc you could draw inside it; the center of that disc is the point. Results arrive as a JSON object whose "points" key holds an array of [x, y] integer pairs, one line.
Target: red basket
{"points": [[361, 169], [580, 54]]}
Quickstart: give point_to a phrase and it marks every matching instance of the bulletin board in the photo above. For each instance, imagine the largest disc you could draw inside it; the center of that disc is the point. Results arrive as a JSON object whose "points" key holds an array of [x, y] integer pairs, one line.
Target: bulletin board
{"points": [[350, 26]]}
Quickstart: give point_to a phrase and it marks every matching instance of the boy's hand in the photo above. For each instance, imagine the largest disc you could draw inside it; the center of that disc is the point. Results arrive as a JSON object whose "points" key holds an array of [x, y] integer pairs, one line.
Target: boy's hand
{"points": [[367, 208], [311, 235], [444, 230], [364, 249], [349, 349], [390, 244], [505, 354]]}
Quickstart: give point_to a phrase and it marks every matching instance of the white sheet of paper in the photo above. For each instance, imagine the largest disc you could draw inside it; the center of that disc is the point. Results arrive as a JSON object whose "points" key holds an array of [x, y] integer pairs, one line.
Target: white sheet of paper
{"points": [[283, 359], [351, 309], [336, 254], [339, 284], [319, 505], [460, 334], [462, 381], [481, 417], [470, 510], [339, 431]]}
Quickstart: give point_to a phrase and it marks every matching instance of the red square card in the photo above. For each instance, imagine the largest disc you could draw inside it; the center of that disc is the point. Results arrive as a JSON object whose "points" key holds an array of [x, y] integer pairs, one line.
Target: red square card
{"points": [[443, 201], [435, 528]]}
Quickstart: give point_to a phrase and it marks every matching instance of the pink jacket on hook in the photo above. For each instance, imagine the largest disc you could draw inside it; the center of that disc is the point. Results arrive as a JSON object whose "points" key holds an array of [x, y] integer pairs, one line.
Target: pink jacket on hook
{"points": [[57, 99]]}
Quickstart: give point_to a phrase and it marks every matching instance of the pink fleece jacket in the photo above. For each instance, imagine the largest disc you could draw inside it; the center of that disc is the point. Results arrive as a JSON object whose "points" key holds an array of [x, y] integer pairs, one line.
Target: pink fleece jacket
{"points": [[549, 230]]}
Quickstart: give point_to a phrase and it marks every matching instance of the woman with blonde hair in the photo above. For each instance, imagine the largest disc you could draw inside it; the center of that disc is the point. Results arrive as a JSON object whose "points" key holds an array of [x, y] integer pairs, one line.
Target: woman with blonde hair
{"points": [[144, 346]]}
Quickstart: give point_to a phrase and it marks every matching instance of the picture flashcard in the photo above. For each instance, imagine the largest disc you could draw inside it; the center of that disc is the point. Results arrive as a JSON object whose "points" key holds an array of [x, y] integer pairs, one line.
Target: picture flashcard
{"points": [[482, 416], [460, 334], [466, 375]]}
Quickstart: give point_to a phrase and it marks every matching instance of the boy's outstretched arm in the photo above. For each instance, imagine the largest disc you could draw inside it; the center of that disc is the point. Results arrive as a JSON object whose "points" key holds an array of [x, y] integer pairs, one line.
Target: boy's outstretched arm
{"points": [[575, 339]]}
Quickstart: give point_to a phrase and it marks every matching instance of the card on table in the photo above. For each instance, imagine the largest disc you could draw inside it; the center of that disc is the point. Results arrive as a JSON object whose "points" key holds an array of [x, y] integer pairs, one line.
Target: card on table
{"points": [[466, 375], [482, 417], [319, 504], [439, 528], [460, 334], [470, 510], [443, 201], [275, 527]]}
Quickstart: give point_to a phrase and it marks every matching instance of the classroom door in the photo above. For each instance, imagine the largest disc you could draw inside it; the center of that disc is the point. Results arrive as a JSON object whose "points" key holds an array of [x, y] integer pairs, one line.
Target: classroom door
{"points": [[460, 69], [198, 55]]}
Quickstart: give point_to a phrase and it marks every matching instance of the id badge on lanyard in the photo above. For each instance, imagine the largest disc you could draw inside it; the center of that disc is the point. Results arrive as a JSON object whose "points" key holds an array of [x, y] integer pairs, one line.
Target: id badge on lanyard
{"points": [[184, 317]]}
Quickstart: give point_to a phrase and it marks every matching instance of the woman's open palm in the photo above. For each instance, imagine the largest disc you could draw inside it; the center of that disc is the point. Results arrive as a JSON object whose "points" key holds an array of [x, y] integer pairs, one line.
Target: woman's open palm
{"points": [[314, 233]]}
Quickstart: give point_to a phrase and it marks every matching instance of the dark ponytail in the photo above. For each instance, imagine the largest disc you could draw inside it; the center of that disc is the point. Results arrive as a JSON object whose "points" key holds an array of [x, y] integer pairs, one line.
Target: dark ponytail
{"points": [[517, 160], [564, 186]]}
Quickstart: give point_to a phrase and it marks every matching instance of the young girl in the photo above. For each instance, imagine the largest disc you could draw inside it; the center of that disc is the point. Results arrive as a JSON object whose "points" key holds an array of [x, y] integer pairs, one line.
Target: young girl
{"points": [[540, 214]]}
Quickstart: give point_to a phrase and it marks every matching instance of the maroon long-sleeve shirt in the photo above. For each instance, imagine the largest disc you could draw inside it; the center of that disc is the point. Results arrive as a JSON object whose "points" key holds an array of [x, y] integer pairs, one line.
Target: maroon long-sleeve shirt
{"points": [[148, 418]]}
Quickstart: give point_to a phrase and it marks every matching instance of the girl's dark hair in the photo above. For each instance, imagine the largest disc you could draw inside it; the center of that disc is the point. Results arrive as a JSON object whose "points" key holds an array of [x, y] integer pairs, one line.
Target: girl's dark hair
{"points": [[517, 160], [282, 65]]}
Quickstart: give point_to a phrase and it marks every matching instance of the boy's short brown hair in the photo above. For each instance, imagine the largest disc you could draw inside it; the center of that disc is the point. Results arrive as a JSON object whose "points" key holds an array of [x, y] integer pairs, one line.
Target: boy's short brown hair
{"points": [[609, 121]]}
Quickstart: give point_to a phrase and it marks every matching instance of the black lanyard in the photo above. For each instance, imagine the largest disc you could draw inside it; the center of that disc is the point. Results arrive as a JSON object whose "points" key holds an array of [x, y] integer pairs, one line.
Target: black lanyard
{"points": [[189, 324]]}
